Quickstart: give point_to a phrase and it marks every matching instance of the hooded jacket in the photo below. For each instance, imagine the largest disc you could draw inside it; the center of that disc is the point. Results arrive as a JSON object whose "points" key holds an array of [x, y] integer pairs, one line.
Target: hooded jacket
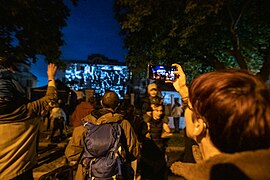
{"points": [[242, 165], [106, 115], [19, 124], [83, 109]]}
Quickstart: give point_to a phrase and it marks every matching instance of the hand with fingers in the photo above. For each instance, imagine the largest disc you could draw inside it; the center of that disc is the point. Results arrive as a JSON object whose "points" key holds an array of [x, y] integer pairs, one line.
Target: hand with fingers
{"points": [[51, 71], [180, 82]]}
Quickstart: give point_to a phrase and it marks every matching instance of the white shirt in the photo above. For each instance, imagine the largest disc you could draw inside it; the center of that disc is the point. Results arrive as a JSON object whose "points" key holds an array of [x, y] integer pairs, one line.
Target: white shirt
{"points": [[176, 111], [57, 113]]}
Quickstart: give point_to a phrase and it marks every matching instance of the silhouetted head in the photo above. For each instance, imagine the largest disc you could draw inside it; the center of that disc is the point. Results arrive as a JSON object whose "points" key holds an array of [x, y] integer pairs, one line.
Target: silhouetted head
{"points": [[110, 100]]}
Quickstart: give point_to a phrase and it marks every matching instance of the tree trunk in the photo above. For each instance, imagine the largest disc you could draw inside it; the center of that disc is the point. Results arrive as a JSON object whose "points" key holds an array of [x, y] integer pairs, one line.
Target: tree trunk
{"points": [[215, 62], [236, 50], [234, 35], [264, 73]]}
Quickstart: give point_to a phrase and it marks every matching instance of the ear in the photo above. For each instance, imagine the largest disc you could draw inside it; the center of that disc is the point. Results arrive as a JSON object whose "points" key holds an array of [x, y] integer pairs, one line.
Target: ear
{"points": [[199, 127]]}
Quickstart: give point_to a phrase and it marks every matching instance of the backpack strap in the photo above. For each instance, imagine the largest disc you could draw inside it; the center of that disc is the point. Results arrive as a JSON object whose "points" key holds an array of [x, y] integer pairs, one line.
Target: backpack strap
{"points": [[88, 164], [117, 148]]}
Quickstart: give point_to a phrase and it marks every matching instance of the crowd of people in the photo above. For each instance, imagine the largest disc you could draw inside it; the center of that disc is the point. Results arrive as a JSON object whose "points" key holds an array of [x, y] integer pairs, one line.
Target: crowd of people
{"points": [[227, 117]]}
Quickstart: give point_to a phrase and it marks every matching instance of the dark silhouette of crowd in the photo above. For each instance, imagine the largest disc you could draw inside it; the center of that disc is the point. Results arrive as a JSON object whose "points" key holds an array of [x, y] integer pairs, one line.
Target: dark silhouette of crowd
{"points": [[227, 133]]}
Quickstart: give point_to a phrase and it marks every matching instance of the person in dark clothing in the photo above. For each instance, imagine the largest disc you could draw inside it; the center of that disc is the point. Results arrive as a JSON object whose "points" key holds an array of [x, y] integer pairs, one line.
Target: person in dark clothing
{"points": [[151, 98], [153, 162]]}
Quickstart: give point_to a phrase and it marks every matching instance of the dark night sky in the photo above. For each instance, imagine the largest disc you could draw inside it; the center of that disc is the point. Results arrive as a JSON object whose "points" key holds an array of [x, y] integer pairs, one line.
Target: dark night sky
{"points": [[90, 29]]}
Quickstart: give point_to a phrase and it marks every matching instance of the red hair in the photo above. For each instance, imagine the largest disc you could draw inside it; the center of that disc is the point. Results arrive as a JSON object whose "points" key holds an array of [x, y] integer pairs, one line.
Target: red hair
{"points": [[236, 107]]}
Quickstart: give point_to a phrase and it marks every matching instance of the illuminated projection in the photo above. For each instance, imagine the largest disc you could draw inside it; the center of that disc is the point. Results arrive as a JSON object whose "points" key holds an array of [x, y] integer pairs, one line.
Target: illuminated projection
{"points": [[99, 77]]}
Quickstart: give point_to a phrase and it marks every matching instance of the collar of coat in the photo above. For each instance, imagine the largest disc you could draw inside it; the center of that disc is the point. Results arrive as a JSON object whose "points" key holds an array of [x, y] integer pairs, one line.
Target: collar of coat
{"points": [[102, 116]]}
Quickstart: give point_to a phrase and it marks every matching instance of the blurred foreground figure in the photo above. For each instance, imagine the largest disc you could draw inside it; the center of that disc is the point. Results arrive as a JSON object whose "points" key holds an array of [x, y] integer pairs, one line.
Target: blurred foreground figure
{"points": [[19, 123], [228, 115]]}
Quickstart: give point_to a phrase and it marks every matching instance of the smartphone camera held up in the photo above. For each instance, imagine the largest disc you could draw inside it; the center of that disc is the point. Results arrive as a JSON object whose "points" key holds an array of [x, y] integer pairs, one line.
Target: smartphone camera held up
{"points": [[162, 72]]}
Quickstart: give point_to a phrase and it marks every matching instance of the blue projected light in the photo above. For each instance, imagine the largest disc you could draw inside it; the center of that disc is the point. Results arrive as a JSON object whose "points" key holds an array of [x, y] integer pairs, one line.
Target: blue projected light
{"points": [[161, 72], [99, 77]]}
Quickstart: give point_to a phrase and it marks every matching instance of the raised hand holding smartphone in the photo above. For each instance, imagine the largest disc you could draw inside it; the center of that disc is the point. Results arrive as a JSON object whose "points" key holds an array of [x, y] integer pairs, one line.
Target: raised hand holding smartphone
{"points": [[180, 82]]}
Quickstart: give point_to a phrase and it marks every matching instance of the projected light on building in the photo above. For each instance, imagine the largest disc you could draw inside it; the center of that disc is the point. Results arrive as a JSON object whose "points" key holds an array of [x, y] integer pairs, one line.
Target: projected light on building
{"points": [[100, 77]]}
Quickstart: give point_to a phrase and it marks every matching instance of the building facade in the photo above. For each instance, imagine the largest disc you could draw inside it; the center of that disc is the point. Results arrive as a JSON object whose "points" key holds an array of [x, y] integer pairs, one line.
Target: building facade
{"points": [[98, 73]]}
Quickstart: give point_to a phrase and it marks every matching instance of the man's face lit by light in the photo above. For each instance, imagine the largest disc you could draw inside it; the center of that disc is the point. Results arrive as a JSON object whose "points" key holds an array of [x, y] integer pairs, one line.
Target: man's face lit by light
{"points": [[157, 112], [153, 93]]}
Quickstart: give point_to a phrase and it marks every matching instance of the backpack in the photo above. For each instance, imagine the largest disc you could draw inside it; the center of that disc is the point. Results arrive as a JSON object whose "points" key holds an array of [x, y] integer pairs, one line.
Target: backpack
{"points": [[101, 157]]}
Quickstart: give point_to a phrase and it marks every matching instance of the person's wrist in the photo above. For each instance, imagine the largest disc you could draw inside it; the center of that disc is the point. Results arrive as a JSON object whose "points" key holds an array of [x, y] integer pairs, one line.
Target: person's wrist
{"points": [[50, 78], [185, 98], [51, 82], [182, 86]]}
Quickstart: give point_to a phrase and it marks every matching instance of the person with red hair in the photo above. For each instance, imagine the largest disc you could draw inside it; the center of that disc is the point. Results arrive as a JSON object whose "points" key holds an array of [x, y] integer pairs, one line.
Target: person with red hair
{"points": [[228, 115]]}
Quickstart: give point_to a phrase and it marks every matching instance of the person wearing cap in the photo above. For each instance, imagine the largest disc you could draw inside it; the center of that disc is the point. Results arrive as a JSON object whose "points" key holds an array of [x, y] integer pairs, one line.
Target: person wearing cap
{"points": [[149, 104], [153, 158], [151, 98], [19, 123]]}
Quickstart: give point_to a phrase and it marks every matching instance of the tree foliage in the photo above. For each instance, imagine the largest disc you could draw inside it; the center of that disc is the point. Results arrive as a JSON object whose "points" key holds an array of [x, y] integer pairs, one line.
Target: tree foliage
{"points": [[29, 28], [200, 35]]}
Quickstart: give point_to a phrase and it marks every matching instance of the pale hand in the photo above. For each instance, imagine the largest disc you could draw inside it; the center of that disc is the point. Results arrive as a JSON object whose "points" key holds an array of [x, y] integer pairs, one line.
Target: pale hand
{"points": [[51, 71], [180, 83]]}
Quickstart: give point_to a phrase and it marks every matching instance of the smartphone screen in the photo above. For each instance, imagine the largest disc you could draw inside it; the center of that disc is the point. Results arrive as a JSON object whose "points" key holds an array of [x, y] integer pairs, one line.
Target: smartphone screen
{"points": [[161, 72]]}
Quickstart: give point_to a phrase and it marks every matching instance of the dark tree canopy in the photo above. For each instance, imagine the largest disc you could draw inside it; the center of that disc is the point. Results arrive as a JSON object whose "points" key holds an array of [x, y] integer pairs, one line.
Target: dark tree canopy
{"points": [[29, 28], [200, 35]]}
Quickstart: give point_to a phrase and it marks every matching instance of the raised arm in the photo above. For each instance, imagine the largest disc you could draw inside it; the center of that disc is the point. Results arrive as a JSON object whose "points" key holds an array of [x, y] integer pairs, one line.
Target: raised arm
{"points": [[43, 104], [180, 83], [51, 71]]}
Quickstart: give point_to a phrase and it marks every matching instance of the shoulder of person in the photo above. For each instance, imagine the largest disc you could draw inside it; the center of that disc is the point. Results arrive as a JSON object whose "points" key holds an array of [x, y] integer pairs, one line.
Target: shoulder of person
{"points": [[79, 133], [124, 121]]}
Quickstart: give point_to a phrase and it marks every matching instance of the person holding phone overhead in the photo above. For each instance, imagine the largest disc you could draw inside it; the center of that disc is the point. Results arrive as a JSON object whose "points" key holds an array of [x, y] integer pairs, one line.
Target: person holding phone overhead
{"points": [[228, 115]]}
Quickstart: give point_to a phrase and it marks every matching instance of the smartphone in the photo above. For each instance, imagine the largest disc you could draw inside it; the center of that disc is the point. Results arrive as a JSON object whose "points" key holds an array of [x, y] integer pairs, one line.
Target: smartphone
{"points": [[162, 72]]}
